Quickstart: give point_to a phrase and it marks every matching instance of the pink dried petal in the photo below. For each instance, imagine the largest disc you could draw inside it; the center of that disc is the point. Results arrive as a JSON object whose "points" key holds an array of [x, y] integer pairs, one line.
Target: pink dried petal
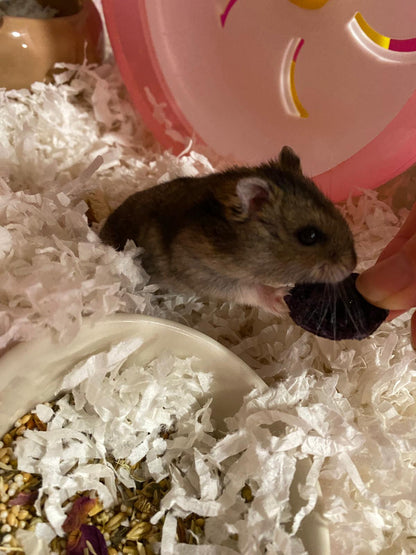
{"points": [[79, 541], [78, 514], [24, 498]]}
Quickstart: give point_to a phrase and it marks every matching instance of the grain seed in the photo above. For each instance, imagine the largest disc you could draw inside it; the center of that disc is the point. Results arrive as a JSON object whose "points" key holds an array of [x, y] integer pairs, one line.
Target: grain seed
{"points": [[11, 520], [139, 531], [113, 523]]}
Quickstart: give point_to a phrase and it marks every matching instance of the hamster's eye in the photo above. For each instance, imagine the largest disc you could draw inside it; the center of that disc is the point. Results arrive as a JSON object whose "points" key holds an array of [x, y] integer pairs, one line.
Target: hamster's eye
{"points": [[309, 235]]}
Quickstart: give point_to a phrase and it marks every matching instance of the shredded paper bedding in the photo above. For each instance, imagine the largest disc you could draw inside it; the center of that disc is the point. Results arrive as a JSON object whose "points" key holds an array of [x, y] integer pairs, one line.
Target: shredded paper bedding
{"points": [[349, 406]]}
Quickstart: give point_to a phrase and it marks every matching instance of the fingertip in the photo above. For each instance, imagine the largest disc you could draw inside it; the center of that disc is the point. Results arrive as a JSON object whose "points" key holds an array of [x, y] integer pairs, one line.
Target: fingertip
{"points": [[413, 331], [359, 282], [394, 314], [381, 283], [365, 285]]}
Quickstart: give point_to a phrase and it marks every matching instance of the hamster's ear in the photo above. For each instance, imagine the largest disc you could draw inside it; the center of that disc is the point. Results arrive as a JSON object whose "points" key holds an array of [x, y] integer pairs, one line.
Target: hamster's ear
{"points": [[252, 192], [288, 160]]}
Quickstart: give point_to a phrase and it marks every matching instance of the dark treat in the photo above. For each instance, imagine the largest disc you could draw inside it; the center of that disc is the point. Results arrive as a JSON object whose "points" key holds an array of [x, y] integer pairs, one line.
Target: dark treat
{"points": [[334, 310]]}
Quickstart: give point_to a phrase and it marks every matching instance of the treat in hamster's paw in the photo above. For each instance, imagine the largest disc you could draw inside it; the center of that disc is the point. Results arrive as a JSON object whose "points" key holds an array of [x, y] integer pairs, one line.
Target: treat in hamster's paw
{"points": [[334, 310]]}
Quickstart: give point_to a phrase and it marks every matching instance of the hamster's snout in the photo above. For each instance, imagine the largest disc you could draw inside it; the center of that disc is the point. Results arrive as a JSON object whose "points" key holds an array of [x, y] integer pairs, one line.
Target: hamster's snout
{"points": [[336, 268]]}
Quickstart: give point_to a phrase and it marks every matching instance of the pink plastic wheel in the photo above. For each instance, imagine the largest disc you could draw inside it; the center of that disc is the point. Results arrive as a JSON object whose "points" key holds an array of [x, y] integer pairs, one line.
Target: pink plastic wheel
{"points": [[335, 80]]}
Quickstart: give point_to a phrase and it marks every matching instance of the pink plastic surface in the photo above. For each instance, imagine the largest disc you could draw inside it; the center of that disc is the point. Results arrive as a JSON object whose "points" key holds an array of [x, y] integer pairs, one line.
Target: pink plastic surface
{"points": [[225, 82]]}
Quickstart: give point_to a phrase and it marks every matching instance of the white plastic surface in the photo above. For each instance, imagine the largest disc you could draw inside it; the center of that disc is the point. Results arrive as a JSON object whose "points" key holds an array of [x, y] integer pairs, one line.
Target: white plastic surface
{"points": [[245, 77], [230, 87]]}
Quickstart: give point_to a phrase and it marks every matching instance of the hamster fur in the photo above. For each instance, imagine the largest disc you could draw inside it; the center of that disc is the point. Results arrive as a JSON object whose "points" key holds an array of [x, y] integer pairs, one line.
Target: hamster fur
{"points": [[241, 235]]}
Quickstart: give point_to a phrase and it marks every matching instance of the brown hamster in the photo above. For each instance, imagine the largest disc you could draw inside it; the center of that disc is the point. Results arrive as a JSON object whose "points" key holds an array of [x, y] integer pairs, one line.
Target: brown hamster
{"points": [[238, 235]]}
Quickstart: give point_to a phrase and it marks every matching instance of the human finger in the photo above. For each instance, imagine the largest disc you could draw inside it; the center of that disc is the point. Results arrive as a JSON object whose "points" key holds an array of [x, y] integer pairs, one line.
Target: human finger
{"points": [[413, 330], [393, 314], [407, 231], [391, 283]]}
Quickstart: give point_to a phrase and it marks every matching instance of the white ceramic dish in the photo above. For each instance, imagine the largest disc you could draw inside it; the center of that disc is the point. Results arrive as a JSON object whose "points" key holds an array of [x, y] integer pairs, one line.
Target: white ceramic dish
{"points": [[32, 373]]}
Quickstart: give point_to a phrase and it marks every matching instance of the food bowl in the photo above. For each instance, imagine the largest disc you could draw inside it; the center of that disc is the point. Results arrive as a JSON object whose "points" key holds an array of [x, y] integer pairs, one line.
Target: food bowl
{"points": [[334, 80], [25, 383], [30, 47], [32, 373]]}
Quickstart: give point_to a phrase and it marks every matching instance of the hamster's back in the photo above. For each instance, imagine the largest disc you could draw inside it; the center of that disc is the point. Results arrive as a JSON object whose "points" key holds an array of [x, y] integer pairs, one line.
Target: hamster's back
{"points": [[168, 203]]}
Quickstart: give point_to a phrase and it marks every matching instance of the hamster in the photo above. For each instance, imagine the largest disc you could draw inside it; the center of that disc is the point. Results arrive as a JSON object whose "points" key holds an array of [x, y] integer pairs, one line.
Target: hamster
{"points": [[242, 235]]}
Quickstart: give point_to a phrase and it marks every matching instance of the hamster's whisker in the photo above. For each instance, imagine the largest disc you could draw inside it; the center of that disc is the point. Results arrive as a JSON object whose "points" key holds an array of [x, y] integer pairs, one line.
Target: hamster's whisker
{"points": [[323, 307], [355, 318], [332, 295], [330, 299], [317, 314]]}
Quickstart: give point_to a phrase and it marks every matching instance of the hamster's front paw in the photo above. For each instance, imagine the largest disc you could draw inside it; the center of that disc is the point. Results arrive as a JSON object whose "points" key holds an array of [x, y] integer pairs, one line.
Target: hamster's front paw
{"points": [[270, 299]]}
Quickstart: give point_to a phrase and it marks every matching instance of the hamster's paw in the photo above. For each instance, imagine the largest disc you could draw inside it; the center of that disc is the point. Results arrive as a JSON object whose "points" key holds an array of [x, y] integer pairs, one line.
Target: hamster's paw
{"points": [[270, 299]]}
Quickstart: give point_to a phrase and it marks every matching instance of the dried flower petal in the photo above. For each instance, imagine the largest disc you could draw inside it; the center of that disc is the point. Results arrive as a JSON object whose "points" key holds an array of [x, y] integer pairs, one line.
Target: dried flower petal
{"points": [[24, 498], [78, 514], [86, 540]]}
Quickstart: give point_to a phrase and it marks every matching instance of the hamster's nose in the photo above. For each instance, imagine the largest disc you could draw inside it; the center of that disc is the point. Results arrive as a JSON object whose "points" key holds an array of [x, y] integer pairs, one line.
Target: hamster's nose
{"points": [[347, 259]]}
